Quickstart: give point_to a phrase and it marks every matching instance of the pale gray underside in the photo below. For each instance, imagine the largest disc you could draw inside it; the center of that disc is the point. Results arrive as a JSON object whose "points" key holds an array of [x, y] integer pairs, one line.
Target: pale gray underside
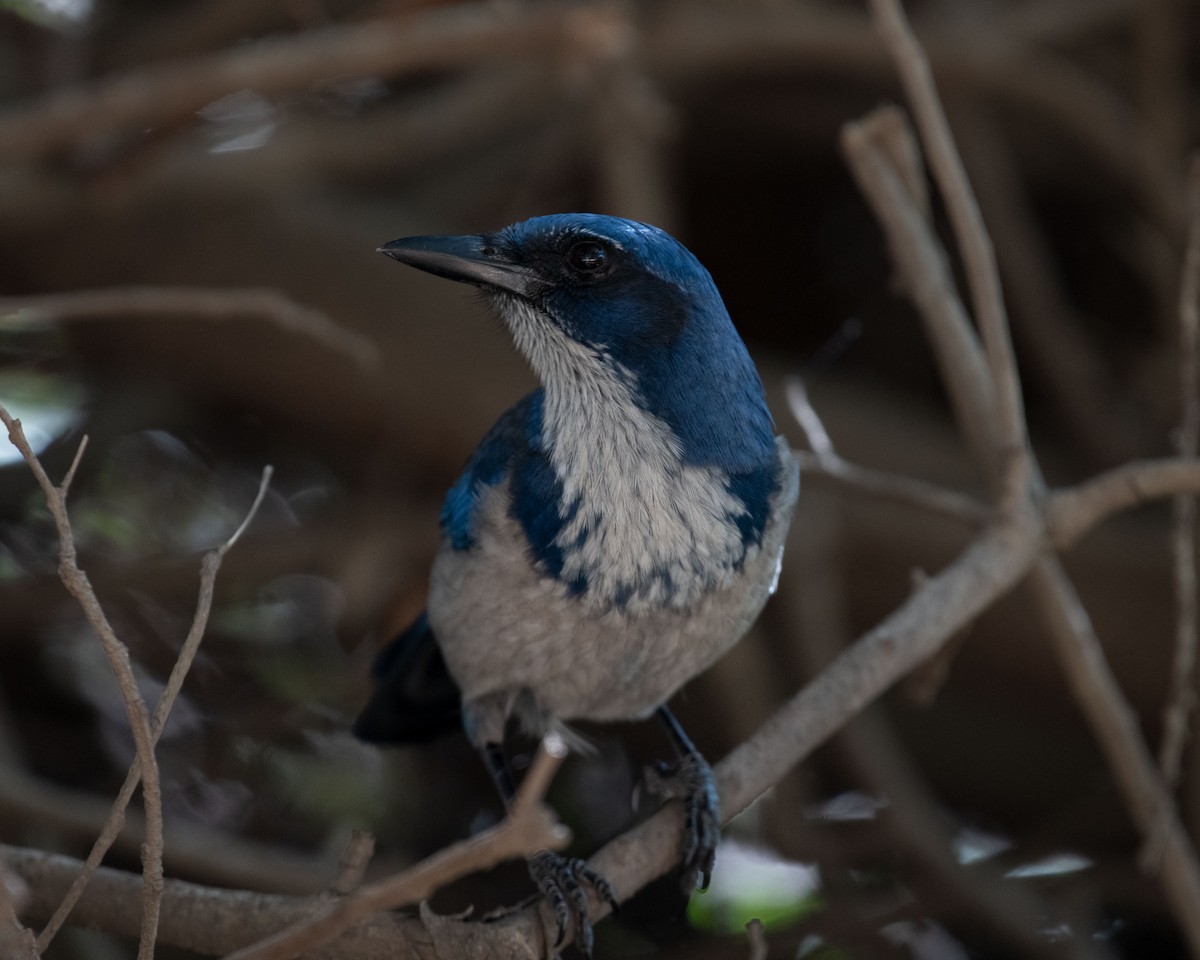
{"points": [[518, 643]]}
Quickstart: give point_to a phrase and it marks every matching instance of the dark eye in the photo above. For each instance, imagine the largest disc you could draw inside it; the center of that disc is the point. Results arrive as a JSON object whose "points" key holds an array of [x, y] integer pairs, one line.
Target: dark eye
{"points": [[588, 256]]}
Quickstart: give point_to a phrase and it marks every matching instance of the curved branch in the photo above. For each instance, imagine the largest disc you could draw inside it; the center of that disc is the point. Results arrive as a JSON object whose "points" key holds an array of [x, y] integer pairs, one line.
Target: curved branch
{"points": [[1073, 512], [974, 243], [209, 567], [530, 826], [117, 654]]}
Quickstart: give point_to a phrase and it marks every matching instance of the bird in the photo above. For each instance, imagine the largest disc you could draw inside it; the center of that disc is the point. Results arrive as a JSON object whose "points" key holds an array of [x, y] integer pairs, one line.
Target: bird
{"points": [[615, 532]]}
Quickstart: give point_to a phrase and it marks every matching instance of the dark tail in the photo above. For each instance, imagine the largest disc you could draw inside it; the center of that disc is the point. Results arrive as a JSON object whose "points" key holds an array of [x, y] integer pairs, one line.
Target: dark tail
{"points": [[415, 698]]}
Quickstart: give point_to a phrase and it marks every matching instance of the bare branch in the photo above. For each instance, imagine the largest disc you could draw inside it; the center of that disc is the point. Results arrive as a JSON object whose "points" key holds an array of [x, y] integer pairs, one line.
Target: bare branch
{"points": [[810, 421], [206, 920], [209, 567], [908, 491], [353, 862], [77, 584], [529, 827], [973, 242], [1072, 512], [205, 302], [758, 940]]}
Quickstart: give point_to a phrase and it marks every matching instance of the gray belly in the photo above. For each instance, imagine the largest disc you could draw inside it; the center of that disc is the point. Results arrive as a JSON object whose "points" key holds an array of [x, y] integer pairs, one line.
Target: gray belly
{"points": [[511, 635]]}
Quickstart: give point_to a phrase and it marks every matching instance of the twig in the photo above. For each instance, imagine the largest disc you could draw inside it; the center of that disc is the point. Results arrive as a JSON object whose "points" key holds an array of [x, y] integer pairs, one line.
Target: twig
{"points": [[205, 302], [529, 827], [909, 491], [1072, 512], [809, 420], [973, 242], [209, 566], [825, 462], [77, 584], [758, 940], [353, 862]]}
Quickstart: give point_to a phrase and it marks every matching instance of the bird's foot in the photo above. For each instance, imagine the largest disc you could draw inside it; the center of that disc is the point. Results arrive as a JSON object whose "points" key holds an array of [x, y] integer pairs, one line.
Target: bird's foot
{"points": [[561, 880], [692, 782]]}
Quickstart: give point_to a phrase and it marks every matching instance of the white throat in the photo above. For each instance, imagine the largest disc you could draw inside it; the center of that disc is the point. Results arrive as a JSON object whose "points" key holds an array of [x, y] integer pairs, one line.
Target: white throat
{"points": [[649, 531]]}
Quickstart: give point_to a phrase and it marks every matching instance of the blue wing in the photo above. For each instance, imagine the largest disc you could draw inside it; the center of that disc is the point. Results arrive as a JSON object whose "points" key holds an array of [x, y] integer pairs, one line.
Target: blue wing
{"points": [[514, 437], [415, 698]]}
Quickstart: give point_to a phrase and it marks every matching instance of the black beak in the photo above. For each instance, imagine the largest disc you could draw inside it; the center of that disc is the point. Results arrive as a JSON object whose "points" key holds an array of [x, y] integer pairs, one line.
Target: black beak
{"points": [[466, 259]]}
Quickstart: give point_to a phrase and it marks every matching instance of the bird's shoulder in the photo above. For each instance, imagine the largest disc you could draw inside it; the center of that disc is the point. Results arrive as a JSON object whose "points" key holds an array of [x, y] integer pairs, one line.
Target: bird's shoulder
{"points": [[511, 445]]}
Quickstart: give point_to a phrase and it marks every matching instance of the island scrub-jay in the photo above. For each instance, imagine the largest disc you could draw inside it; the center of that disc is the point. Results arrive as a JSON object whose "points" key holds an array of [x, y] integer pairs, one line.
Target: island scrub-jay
{"points": [[618, 529]]}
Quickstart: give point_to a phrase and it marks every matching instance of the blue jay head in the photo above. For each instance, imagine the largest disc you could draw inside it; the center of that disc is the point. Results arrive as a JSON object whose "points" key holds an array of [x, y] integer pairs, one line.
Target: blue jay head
{"points": [[616, 286], [583, 291]]}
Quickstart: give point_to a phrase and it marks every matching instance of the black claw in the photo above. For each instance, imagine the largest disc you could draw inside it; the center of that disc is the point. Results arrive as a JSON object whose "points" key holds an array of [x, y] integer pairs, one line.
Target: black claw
{"points": [[692, 782], [559, 881]]}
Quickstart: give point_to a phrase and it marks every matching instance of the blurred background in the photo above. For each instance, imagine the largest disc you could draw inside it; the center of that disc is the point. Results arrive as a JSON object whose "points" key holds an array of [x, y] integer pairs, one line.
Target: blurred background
{"points": [[209, 179]]}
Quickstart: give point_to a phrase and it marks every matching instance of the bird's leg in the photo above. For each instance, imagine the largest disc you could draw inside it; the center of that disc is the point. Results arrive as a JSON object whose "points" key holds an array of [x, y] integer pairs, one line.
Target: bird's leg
{"points": [[560, 880], [691, 781]]}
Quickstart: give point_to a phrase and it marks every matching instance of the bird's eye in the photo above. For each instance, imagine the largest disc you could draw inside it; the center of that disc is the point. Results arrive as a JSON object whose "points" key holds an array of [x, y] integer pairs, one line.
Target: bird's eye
{"points": [[588, 256]]}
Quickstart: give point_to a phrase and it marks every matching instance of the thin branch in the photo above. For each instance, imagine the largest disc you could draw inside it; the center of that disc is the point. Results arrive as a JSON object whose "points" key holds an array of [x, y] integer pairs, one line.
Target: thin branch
{"points": [[809, 421], [353, 862], [204, 302], [826, 463], [65, 486], [529, 826], [77, 584], [209, 567], [973, 242], [758, 939], [907, 491], [1072, 512]]}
